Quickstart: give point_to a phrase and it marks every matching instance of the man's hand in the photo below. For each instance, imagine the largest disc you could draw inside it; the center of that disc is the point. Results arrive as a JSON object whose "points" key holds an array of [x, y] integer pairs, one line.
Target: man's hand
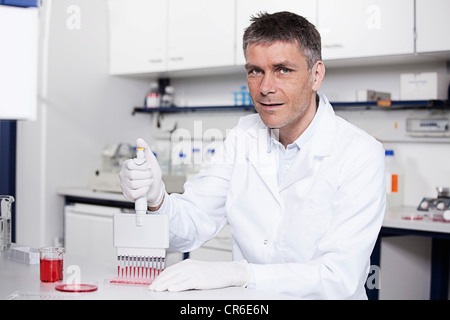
{"points": [[193, 274], [139, 180]]}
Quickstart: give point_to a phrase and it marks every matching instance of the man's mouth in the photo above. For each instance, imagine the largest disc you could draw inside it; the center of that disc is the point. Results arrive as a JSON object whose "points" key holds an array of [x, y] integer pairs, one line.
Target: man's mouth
{"points": [[270, 104]]}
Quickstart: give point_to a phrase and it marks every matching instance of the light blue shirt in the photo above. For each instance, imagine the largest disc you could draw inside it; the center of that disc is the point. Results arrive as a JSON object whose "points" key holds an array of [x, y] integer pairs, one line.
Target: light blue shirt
{"points": [[286, 156]]}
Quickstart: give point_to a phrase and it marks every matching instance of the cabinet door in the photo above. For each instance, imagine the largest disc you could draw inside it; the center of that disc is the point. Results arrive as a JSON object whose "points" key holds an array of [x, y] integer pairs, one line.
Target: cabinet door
{"points": [[88, 232], [246, 8], [137, 36], [432, 25], [18, 62], [365, 28], [200, 34]]}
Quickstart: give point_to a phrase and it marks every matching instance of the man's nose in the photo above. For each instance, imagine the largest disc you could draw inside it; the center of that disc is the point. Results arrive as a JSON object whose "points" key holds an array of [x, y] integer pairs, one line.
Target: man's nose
{"points": [[268, 84]]}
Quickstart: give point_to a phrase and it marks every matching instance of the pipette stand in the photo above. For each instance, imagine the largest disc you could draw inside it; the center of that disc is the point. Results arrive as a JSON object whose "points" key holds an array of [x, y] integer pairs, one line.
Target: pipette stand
{"points": [[141, 248]]}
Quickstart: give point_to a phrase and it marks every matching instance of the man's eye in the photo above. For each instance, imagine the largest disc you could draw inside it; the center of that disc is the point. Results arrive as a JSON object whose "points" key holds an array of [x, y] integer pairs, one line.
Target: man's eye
{"points": [[254, 72], [284, 70]]}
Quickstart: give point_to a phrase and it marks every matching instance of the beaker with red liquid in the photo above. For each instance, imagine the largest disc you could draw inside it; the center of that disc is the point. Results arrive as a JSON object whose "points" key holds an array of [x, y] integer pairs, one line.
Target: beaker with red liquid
{"points": [[51, 264]]}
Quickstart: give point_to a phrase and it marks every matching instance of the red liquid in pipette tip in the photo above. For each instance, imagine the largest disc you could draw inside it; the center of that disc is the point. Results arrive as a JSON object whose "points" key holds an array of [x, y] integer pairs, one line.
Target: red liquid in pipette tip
{"points": [[51, 270], [135, 275]]}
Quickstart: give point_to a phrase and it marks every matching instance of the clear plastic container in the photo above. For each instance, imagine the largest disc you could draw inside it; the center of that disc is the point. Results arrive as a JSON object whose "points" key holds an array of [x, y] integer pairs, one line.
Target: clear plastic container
{"points": [[394, 181], [197, 161], [5, 221], [179, 165]]}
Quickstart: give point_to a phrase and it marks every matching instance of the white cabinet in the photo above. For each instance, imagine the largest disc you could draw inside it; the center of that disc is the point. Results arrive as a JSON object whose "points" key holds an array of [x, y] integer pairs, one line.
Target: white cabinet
{"points": [[365, 28], [88, 232], [246, 8], [432, 25], [151, 36], [137, 36], [18, 62], [200, 34]]}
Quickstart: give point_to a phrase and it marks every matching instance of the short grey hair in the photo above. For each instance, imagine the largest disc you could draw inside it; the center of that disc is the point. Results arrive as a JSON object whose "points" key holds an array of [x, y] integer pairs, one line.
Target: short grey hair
{"points": [[285, 26]]}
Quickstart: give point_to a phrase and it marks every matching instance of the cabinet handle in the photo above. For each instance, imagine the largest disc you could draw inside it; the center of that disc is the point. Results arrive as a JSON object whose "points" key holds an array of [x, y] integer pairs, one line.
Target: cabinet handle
{"points": [[333, 46], [155, 60], [176, 59]]}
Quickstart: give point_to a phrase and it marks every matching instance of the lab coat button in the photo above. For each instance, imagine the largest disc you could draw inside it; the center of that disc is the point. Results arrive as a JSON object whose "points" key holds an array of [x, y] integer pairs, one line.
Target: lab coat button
{"points": [[265, 241]]}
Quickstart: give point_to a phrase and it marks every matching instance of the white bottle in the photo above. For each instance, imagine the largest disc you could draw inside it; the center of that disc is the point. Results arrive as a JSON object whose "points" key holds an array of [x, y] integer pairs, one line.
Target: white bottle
{"points": [[179, 165], [153, 97], [210, 151], [161, 152], [196, 162], [394, 181]]}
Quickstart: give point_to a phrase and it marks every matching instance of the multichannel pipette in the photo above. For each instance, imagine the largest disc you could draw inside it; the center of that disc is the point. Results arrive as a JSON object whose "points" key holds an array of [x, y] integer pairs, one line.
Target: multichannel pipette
{"points": [[141, 240]]}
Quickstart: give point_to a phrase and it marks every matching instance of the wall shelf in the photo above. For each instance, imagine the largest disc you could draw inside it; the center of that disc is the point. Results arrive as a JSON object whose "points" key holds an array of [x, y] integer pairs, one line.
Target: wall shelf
{"points": [[373, 105], [394, 104], [174, 109]]}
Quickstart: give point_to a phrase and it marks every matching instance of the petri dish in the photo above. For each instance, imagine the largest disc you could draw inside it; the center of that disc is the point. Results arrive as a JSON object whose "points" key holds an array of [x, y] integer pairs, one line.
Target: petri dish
{"points": [[78, 287], [412, 217]]}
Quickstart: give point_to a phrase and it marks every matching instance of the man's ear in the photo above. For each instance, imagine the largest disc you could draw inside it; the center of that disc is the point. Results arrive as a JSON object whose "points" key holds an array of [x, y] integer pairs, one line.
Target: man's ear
{"points": [[318, 73]]}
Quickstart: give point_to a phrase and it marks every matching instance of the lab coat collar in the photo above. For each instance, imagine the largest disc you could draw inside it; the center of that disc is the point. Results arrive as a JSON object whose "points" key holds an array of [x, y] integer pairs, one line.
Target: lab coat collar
{"points": [[322, 128], [318, 136], [318, 143]]}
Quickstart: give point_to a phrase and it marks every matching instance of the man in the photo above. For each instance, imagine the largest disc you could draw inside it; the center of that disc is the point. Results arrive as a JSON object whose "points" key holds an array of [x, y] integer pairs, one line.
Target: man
{"points": [[302, 190]]}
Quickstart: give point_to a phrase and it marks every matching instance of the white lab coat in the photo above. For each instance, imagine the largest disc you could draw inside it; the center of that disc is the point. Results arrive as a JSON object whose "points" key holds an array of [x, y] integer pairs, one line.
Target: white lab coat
{"points": [[311, 236]]}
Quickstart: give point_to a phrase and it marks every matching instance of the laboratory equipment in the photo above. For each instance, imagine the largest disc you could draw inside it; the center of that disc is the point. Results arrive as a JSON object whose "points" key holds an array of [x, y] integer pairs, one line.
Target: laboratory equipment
{"points": [[76, 287], [167, 99], [107, 178], [24, 254], [141, 240], [394, 181], [438, 208], [141, 244], [242, 97], [5, 222], [51, 264]]}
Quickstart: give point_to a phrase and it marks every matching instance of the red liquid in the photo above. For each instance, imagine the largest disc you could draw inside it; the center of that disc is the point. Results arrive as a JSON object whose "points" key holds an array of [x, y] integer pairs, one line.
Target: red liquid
{"points": [[51, 270]]}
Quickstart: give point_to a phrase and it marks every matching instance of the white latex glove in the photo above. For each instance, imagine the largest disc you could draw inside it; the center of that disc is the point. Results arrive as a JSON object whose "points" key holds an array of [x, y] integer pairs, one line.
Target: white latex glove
{"points": [[139, 180], [193, 274]]}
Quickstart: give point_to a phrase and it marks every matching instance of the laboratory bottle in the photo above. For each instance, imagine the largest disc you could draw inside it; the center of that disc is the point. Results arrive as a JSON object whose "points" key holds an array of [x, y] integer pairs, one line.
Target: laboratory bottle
{"points": [[179, 166], [209, 154], [196, 162], [167, 98], [162, 156], [394, 181], [153, 96]]}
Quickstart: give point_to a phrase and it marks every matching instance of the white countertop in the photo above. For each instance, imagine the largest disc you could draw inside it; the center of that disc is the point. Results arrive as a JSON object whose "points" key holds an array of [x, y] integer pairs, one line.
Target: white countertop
{"points": [[394, 219], [21, 281], [91, 194]]}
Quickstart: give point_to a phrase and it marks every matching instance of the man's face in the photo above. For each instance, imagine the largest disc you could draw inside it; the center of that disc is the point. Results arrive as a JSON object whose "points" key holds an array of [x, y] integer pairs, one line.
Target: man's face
{"points": [[281, 87]]}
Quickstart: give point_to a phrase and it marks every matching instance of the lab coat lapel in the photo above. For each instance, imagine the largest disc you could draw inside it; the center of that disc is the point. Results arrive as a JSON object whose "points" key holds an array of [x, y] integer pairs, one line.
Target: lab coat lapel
{"points": [[264, 161], [319, 146]]}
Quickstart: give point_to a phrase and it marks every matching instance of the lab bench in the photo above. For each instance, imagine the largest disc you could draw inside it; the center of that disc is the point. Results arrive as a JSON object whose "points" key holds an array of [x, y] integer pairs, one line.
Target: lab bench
{"points": [[393, 225], [439, 232], [21, 281]]}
